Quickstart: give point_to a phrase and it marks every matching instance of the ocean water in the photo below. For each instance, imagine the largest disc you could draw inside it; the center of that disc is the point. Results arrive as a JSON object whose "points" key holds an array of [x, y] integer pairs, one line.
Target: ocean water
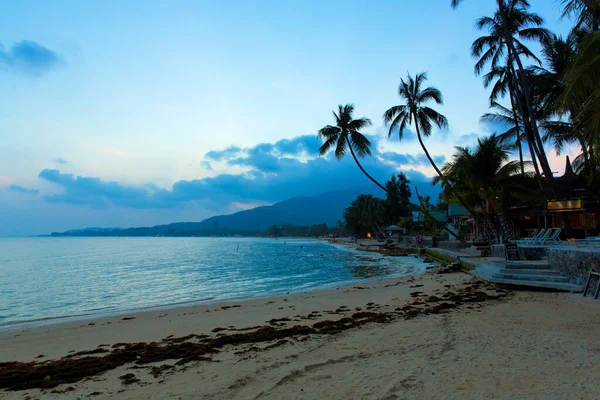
{"points": [[43, 279]]}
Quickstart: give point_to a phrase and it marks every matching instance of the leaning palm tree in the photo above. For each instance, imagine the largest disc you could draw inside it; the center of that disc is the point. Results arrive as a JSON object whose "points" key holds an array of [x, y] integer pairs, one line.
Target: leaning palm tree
{"points": [[491, 49], [415, 111], [505, 15], [345, 135], [423, 117]]}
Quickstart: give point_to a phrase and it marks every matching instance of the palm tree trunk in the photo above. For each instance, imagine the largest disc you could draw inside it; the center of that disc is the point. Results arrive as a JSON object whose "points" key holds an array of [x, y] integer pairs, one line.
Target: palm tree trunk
{"points": [[521, 154], [441, 175], [533, 159], [516, 97], [437, 170], [586, 156], [528, 99], [361, 167], [515, 117], [385, 190]]}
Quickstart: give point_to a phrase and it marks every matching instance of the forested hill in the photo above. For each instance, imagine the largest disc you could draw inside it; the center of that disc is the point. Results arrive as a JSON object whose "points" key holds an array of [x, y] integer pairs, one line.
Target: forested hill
{"points": [[326, 208]]}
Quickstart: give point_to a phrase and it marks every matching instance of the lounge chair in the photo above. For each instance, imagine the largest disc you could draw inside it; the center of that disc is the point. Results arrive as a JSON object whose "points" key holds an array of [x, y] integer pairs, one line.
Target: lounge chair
{"points": [[553, 238], [544, 235], [592, 241], [536, 234]]}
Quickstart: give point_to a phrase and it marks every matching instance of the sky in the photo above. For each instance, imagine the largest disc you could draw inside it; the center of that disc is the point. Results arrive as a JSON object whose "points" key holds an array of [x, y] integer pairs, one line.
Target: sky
{"points": [[138, 113]]}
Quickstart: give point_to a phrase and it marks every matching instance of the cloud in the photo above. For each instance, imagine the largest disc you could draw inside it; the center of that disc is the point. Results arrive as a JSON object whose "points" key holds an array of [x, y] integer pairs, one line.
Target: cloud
{"points": [[272, 174], [22, 190], [99, 194], [307, 144], [30, 58], [61, 161], [224, 155]]}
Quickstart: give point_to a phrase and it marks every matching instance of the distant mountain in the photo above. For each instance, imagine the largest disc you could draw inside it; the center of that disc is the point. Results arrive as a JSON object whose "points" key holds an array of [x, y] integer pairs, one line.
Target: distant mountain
{"points": [[326, 207]]}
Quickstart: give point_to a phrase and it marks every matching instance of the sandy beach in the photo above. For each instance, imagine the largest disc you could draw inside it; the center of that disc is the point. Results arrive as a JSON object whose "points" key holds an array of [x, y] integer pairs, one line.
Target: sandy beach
{"points": [[439, 336]]}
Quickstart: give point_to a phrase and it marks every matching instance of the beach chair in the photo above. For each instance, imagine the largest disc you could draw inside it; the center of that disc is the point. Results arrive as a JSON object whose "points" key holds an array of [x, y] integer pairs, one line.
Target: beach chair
{"points": [[553, 238], [592, 241], [534, 235], [543, 233], [542, 237]]}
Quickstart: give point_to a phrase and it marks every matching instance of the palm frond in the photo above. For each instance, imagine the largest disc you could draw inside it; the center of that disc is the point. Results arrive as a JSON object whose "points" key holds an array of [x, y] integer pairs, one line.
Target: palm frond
{"points": [[430, 93], [331, 135], [358, 124], [360, 143]]}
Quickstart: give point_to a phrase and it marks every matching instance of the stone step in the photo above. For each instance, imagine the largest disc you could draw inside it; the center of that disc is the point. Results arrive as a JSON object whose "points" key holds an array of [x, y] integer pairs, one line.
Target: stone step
{"points": [[523, 271], [541, 278], [569, 287], [525, 265]]}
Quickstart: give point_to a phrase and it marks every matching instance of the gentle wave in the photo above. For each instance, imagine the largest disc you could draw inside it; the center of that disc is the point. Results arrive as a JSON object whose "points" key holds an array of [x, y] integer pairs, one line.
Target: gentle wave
{"points": [[43, 279]]}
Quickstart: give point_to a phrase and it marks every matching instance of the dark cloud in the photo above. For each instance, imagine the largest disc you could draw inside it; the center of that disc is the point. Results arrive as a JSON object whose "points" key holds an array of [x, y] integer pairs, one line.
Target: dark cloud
{"points": [[99, 194], [29, 58], [260, 157], [21, 189], [272, 176], [61, 161]]}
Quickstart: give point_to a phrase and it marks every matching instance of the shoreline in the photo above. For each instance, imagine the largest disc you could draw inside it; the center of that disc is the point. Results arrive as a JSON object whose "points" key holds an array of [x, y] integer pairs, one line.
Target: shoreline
{"points": [[69, 321], [417, 269], [397, 338]]}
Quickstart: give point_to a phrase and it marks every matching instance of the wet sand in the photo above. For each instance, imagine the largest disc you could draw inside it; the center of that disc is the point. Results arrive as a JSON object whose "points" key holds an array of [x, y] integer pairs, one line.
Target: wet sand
{"points": [[437, 336]]}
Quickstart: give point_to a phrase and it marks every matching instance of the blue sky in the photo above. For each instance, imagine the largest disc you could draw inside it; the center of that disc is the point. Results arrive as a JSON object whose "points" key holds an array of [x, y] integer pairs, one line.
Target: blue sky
{"points": [[144, 112]]}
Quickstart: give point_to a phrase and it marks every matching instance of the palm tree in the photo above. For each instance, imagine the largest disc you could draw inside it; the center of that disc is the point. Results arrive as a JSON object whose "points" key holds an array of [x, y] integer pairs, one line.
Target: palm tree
{"points": [[415, 111], [486, 176], [585, 12], [549, 87], [514, 134], [345, 135], [509, 14], [423, 117], [522, 25], [505, 84], [582, 88]]}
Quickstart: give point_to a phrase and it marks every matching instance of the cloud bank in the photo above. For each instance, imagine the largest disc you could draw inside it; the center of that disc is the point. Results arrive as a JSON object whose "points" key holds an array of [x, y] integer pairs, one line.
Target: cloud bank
{"points": [[272, 172]]}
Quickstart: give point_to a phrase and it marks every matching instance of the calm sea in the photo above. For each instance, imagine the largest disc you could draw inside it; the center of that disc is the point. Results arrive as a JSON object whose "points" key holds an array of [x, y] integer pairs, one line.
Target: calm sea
{"points": [[42, 279]]}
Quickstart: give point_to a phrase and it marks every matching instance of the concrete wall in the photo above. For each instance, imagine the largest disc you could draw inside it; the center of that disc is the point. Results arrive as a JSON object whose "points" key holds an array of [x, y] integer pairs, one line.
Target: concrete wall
{"points": [[574, 263]]}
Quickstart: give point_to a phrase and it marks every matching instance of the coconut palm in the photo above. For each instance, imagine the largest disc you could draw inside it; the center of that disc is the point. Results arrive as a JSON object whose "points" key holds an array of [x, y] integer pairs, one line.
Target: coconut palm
{"points": [[511, 14], [515, 132], [586, 13], [582, 88], [416, 112], [522, 25], [346, 135], [488, 176], [505, 84]]}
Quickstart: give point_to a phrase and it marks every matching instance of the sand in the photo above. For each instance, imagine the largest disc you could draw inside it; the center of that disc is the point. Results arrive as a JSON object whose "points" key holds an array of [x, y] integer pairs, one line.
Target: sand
{"points": [[522, 345]]}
